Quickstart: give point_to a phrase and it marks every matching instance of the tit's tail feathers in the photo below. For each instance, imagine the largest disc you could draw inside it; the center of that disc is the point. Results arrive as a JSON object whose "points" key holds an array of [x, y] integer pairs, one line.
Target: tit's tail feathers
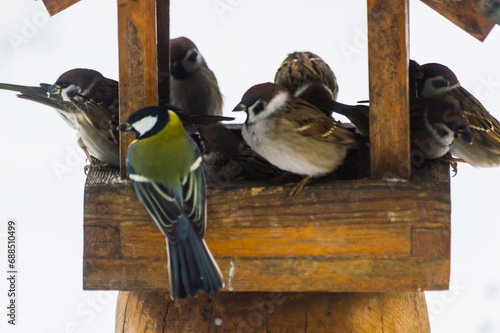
{"points": [[191, 267]]}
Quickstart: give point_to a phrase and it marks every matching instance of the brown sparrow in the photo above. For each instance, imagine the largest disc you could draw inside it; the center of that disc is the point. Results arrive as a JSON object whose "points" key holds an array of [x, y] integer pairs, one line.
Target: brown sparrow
{"points": [[293, 134], [88, 102], [193, 86], [438, 82], [306, 75], [434, 127]]}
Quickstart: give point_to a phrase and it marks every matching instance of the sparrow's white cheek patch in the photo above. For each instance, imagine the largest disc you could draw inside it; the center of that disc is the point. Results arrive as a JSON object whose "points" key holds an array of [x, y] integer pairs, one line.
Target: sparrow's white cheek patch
{"points": [[145, 124], [277, 102], [69, 90]]}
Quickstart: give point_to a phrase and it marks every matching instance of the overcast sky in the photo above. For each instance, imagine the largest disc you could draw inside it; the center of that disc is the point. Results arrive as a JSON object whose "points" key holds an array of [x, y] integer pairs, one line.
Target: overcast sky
{"points": [[42, 179]]}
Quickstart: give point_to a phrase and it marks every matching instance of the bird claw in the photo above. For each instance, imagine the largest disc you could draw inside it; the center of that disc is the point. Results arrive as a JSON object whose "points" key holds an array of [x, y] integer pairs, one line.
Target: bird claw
{"points": [[453, 161], [454, 167], [298, 187], [94, 163]]}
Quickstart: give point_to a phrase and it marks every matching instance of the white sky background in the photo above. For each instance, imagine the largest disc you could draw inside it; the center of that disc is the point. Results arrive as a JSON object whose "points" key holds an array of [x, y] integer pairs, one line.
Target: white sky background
{"points": [[243, 47]]}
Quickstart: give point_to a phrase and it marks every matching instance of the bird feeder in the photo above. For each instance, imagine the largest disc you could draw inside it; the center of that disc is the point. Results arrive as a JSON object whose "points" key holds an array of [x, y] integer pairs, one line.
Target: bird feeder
{"points": [[340, 256]]}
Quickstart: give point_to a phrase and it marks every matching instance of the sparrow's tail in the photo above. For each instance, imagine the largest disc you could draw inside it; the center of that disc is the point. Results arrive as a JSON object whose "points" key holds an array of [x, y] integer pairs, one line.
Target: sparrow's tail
{"points": [[191, 266]]}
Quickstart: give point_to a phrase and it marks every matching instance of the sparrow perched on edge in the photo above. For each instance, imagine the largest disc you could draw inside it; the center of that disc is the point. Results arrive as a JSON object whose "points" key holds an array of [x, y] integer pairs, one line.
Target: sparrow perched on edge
{"points": [[434, 127], [166, 171], [193, 86], [438, 82], [88, 102], [293, 134], [306, 75]]}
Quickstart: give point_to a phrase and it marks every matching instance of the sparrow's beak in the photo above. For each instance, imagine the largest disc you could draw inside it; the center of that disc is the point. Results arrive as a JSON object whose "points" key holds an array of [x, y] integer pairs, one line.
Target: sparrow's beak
{"points": [[124, 127], [54, 89], [465, 134], [240, 107]]}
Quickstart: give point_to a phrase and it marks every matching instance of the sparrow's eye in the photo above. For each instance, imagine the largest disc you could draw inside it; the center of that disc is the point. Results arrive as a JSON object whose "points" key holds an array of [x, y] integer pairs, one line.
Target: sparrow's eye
{"points": [[440, 83], [258, 107], [442, 132], [192, 57], [63, 84]]}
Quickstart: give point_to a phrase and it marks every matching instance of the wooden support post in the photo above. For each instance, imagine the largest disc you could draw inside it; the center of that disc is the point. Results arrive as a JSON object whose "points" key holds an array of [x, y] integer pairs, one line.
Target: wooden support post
{"points": [[272, 312], [138, 65], [388, 53], [389, 102], [163, 39]]}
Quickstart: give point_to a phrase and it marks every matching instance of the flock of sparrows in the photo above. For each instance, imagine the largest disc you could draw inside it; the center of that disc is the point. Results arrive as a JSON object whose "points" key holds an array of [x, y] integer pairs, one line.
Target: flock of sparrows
{"points": [[289, 128]]}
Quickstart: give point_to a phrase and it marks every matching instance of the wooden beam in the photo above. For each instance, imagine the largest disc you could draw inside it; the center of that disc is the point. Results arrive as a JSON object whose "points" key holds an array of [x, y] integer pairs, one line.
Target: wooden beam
{"points": [[273, 312], [163, 40], [57, 6], [465, 15], [389, 101], [368, 236], [138, 63]]}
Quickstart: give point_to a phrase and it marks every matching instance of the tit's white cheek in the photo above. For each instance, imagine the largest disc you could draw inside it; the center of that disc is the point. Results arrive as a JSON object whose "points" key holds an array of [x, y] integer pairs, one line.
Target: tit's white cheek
{"points": [[145, 124]]}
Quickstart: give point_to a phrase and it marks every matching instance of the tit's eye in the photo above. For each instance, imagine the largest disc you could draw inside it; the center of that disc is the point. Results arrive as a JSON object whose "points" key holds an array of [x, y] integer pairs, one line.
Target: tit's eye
{"points": [[192, 57], [440, 83], [258, 107]]}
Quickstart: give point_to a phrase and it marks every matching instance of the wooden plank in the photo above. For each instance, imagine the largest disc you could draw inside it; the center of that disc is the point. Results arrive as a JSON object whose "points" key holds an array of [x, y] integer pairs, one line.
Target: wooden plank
{"points": [[243, 274], [138, 65], [366, 235], [465, 15], [389, 102], [163, 40], [275, 312], [57, 6]]}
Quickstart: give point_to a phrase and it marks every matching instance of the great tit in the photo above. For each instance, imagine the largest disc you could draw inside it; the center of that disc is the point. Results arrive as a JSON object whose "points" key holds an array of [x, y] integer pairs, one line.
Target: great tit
{"points": [[166, 171]]}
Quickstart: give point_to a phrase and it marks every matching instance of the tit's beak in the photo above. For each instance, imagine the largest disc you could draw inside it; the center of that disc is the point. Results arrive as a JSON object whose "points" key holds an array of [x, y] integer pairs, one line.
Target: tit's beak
{"points": [[124, 127], [240, 107], [465, 134], [54, 89]]}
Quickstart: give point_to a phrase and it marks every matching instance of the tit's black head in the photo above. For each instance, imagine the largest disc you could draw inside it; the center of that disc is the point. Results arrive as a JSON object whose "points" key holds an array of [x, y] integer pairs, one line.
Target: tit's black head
{"points": [[146, 122]]}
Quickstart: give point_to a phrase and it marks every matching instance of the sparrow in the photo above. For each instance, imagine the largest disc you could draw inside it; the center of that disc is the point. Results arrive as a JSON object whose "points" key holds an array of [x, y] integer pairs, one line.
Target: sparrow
{"points": [[293, 134], [165, 168], [306, 76], [88, 103], [438, 82], [193, 86], [434, 127]]}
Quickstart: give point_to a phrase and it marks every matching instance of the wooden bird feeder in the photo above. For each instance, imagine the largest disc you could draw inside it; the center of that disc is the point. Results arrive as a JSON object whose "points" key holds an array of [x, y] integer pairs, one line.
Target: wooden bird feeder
{"points": [[341, 256]]}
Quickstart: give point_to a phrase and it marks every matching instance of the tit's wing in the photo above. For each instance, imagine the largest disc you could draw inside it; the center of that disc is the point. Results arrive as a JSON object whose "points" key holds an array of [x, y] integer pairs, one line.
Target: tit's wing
{"points": [[165, 205], [309, 121], [485, 128]]}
